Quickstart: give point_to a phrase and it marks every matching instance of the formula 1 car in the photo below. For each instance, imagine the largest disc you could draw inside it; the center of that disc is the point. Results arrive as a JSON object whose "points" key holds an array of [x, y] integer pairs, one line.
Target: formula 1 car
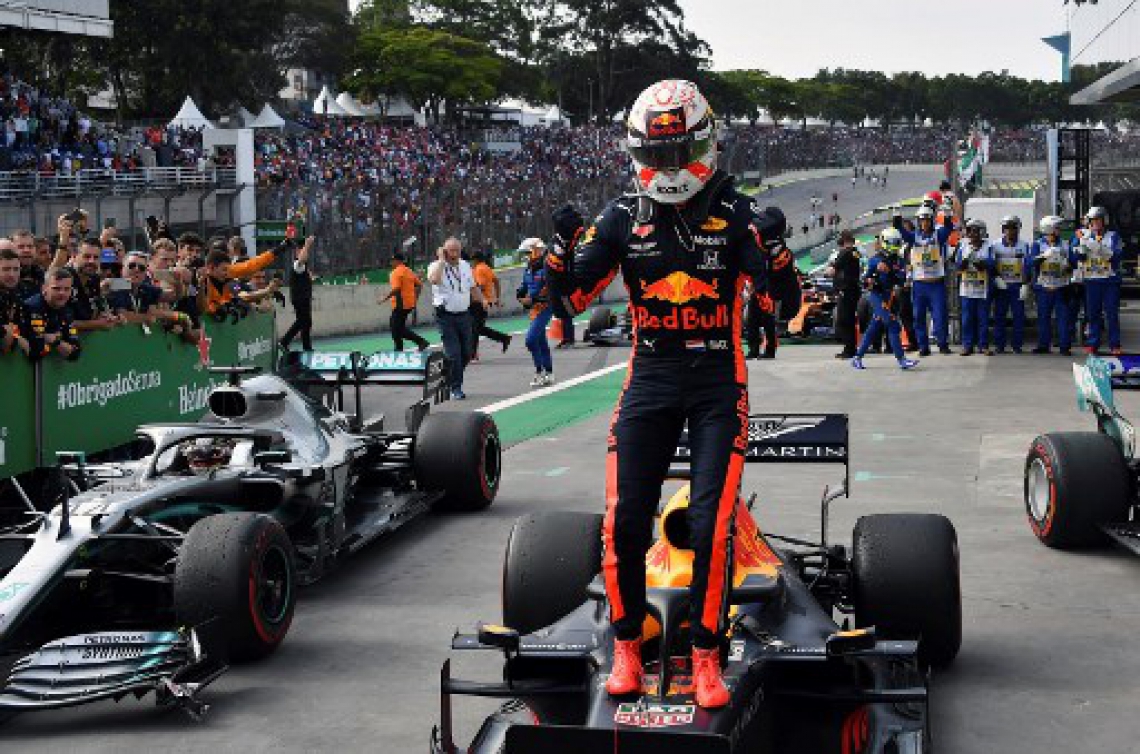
{"points": [[152, 575], [607, 328], [1081, 487], [799, 680]]}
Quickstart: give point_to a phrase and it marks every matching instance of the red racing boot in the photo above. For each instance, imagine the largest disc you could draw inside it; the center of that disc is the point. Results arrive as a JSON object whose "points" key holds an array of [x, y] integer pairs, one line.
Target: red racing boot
{"points": [[625, 678], [708, 685]]}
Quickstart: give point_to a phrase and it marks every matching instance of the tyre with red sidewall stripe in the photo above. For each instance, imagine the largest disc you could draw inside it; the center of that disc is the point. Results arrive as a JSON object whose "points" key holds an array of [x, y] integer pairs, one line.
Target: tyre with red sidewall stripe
{"points": [[237, 570], [459, 453], [1074, 483]]}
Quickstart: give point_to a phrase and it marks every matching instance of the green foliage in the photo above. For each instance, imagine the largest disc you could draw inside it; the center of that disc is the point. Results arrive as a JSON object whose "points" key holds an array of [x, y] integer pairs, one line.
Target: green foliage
{"points": [[446, 68]]}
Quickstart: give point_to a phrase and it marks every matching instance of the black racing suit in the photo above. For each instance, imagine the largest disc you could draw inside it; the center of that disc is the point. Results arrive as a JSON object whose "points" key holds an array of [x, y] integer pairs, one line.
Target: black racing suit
{"points": [[684, 268], [848, 288]]}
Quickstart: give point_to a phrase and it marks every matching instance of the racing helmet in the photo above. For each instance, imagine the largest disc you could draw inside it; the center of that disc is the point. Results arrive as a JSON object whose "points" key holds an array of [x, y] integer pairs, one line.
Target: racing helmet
{"points": [[671, 137], [974, 224], [925, 212], [1050, 225], [932, 199], [891, 241], [535, 248], [1011, 221], [204, 455], [1097, 213]]}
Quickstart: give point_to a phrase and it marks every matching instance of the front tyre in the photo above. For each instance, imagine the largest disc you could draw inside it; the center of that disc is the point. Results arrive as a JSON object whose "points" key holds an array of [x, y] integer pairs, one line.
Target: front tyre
{"points": [[459, 452], [237, 570], [1074, 483]]}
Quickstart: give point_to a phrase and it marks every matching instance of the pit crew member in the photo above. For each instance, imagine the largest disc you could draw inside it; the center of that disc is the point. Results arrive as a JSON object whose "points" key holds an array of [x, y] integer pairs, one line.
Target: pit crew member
{"points": [[1052, 277], [884, 281], [1010, 283], [975, 263], [1098, 251], [926, 264]]}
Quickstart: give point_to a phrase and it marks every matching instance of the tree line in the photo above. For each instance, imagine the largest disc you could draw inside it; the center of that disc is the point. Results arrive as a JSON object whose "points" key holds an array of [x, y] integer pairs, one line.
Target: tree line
{"points": [[591, 57]]}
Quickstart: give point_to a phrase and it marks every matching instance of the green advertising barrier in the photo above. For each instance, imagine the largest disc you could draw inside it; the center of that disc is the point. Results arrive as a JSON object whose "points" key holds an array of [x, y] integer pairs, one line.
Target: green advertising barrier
{"points": [[17, 415], [126, 377]]}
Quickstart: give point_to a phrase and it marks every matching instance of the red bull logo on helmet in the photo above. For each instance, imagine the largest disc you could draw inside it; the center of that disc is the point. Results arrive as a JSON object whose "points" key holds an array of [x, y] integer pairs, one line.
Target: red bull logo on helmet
{"points": [[680, 288], [669, 123]]}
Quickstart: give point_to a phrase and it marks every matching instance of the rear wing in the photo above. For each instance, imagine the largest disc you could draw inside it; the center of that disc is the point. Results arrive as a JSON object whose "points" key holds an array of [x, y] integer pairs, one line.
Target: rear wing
{"points": [[1125, 373], [332, 370], [792, 438], [1095, 382]]}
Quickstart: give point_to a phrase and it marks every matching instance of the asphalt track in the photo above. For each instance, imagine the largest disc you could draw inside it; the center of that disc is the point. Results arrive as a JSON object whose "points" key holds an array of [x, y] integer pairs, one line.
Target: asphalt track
{"points": [[1048, 662]]}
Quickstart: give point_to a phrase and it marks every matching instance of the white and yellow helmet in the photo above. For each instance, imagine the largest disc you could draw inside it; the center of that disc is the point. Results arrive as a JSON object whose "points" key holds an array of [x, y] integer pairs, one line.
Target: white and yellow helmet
{"points": [[891, 241], [671, 136]]}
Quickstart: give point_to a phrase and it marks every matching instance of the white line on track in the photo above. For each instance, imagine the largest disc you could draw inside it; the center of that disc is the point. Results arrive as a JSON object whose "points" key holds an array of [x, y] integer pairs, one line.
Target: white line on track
{"points": [[527, 397]]}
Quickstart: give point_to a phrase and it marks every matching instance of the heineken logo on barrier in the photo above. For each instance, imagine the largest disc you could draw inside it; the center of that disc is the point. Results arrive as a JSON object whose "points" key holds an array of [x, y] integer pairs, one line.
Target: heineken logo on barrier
{"points": [[412, 361], [195, 398]]}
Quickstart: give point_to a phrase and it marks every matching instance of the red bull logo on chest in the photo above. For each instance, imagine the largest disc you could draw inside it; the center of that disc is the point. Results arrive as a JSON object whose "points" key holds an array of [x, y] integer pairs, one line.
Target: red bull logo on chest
{"points": [[680, 288]]}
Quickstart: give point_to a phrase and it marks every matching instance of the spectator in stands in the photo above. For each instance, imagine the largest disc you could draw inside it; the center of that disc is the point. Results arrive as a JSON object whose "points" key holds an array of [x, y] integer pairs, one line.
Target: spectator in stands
{"points": [[301, 297], [403, 291], [12, 314], [44, 252], [488, 283], [216, 280], [48, 319], [453, 290]]}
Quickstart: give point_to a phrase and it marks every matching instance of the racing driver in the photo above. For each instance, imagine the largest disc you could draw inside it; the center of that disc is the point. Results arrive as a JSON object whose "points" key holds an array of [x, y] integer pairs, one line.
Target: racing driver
{"points": [[686, 242]]}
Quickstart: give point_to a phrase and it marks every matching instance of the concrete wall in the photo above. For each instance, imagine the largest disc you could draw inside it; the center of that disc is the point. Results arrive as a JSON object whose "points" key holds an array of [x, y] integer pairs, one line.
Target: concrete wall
{"points": [[352, 309]]}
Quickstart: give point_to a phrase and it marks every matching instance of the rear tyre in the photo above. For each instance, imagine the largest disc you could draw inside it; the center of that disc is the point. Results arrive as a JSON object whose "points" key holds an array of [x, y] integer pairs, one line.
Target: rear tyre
{"points": [[459, 453], [601, 319], [237, 570], [551, 558], [906, 581], [1074, 482]]}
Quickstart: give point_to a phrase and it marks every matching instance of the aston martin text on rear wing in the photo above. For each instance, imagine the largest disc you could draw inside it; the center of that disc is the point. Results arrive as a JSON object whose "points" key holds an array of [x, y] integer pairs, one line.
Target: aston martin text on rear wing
{"points": [[791, 438], [1125, 374]]}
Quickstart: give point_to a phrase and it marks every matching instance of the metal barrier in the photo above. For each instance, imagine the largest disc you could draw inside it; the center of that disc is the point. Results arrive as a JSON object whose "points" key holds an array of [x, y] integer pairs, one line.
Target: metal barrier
{"points": [[19, 185]]}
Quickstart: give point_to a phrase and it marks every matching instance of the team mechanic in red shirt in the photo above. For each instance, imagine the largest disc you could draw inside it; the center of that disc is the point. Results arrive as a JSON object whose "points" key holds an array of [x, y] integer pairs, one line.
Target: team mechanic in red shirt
{"points": [[685, 243]]}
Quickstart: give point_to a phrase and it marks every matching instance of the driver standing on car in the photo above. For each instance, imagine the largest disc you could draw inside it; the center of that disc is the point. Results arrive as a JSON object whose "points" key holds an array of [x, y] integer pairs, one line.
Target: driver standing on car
{"points": [[686, 242]]}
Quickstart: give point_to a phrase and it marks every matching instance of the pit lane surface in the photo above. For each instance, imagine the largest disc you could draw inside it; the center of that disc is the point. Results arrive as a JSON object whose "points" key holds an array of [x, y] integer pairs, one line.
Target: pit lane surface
{"points": [[1048, 662]]}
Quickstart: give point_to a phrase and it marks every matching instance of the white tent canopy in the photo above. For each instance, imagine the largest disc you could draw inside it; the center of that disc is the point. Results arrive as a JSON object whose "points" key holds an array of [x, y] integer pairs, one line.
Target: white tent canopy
{"points": [[189, 116], [267, 118], [245, 116], [324, 104], [355, 107], [553, 116]]}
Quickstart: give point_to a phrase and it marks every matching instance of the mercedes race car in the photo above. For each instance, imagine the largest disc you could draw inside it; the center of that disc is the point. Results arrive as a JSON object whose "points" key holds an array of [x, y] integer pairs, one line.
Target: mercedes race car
{"points": [[152, 575], [1081, 487], [609, 328], [828, 648]]}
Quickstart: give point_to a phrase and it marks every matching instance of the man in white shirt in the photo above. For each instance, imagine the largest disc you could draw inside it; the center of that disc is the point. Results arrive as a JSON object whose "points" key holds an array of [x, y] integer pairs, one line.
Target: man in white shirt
{"points": [[453, 289]]}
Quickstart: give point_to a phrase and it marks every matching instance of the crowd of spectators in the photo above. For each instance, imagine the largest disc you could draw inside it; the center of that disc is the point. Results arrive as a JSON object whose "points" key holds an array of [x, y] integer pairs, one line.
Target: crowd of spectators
{"points": [[54, 290]]}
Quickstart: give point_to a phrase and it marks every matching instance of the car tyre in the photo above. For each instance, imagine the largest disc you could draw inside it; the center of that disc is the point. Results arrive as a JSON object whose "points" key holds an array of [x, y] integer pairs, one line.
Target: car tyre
{"points": [[459, 452], [1074, 483], [906, 581], [601, 319], [551, 558], [236, 573]]}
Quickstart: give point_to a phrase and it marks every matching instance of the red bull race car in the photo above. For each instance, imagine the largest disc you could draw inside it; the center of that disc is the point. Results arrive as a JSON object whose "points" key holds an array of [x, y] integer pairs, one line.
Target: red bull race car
{"points": [[829, 646]]}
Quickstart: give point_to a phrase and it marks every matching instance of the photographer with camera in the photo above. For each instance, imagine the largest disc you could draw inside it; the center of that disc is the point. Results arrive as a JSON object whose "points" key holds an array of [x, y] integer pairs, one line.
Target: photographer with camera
{"points": [[301, 297], [261, 292]]}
